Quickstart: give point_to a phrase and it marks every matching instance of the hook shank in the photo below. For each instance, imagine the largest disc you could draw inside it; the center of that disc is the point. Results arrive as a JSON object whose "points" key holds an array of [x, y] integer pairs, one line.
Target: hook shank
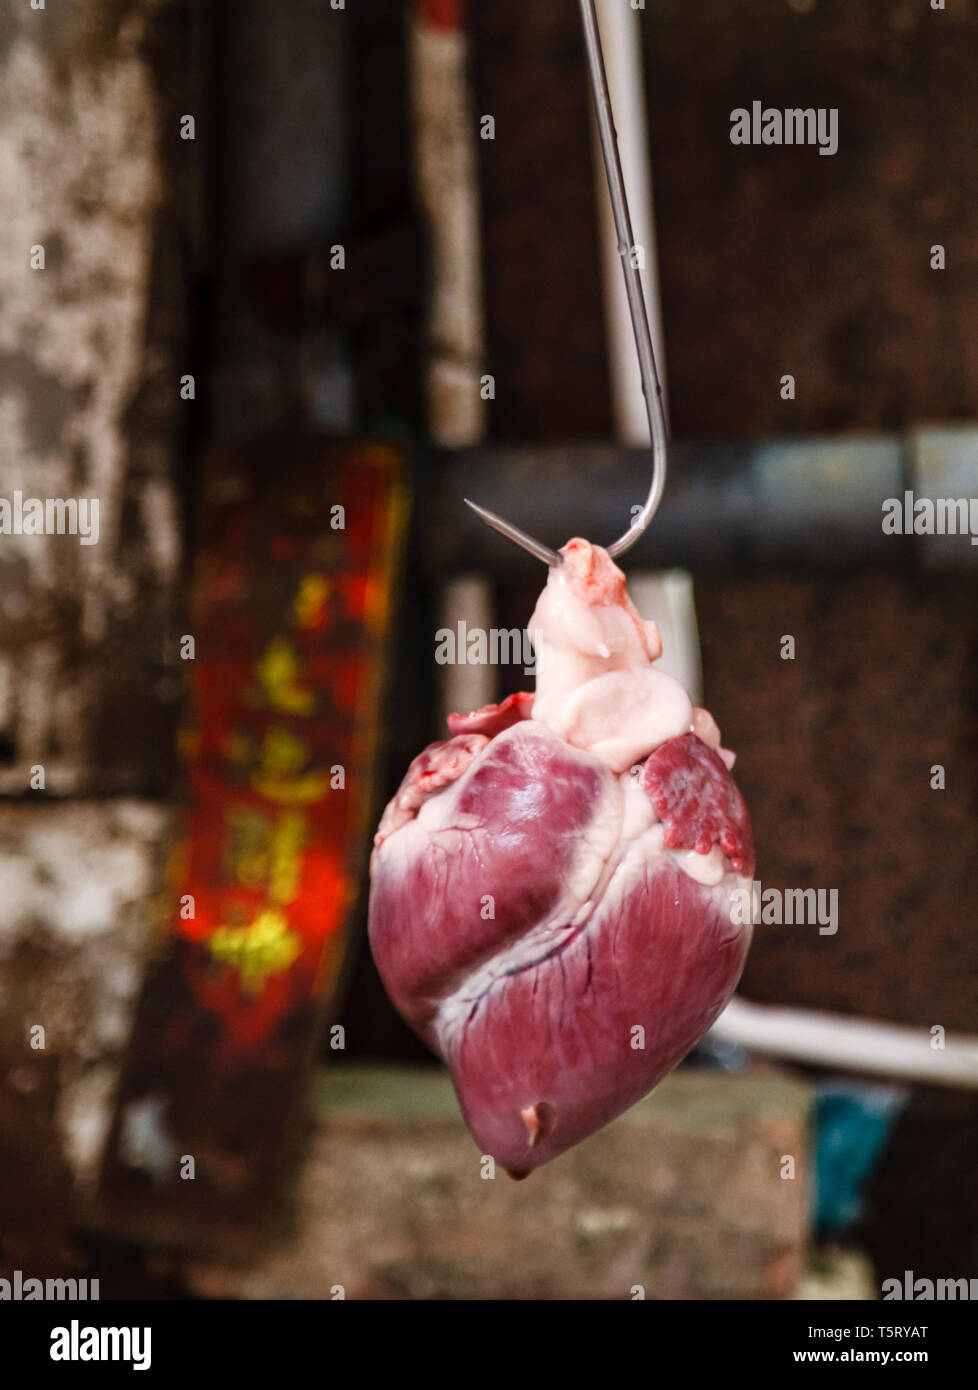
{"points": [[651, 386]]}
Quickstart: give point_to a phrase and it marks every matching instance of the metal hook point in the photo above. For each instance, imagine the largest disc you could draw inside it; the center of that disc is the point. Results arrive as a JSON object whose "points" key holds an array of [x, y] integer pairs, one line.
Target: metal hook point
{"points": [[506, 528]]}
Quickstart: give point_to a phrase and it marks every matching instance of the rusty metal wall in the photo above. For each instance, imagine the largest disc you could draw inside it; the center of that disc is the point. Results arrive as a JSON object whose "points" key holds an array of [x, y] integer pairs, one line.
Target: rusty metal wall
{"points": [[779, 260]]}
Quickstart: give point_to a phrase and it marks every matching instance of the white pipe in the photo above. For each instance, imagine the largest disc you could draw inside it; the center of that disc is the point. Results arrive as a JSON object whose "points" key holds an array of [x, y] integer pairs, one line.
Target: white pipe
{"points": [[666, 596], [621, 40], [463, 687], [852, 1044]]}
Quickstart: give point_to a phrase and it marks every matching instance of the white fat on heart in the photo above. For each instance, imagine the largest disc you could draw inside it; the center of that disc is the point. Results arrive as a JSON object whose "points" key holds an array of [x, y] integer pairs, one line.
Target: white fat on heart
{"points": [[708, 869], [638, 813], [622, 716], [641, 824], [596, 686]]}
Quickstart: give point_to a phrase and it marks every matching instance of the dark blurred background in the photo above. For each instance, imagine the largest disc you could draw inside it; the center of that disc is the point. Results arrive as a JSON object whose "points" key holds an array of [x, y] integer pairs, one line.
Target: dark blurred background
{"points": [[317, 128]]}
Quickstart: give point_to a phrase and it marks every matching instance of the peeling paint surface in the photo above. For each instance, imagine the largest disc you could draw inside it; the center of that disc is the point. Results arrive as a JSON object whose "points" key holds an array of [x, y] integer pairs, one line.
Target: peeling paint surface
{"points": [[79, 883], [81, 173]]}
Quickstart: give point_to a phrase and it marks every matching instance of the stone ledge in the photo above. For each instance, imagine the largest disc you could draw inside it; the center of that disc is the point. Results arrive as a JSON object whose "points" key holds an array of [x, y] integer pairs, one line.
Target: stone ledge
{"points": [[683, 1195]]}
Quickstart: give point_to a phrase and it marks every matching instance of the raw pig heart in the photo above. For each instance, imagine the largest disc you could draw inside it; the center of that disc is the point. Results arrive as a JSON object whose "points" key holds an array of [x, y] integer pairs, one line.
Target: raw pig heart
{"points": [[551, 890]]}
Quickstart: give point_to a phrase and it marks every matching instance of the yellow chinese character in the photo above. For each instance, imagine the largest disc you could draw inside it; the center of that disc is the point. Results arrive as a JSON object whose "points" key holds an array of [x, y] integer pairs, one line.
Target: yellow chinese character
{"points": [[246, 846], [288, 841], [280, 778], [266, 947], [278, 677], [310, 604]]}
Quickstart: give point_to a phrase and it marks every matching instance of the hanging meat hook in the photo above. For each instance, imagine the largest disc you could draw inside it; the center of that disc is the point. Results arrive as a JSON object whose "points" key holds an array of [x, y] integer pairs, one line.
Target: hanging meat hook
{"points": [[651, 386]]}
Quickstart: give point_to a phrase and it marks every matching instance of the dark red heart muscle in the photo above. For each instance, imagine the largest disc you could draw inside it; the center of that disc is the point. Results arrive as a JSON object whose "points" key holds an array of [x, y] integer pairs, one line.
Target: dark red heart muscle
{"points": [[698, 802], [551, 887]]}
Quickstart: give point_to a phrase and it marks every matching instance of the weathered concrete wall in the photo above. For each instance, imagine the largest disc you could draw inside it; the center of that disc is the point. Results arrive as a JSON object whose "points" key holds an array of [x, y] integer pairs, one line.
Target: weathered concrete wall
{"points": [[93, 289], [79, 883], [83, 628]]}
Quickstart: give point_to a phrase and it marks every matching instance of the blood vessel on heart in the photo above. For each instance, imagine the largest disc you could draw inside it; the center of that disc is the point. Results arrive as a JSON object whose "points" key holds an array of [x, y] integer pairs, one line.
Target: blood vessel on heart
{"points": [[551, 887]]}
